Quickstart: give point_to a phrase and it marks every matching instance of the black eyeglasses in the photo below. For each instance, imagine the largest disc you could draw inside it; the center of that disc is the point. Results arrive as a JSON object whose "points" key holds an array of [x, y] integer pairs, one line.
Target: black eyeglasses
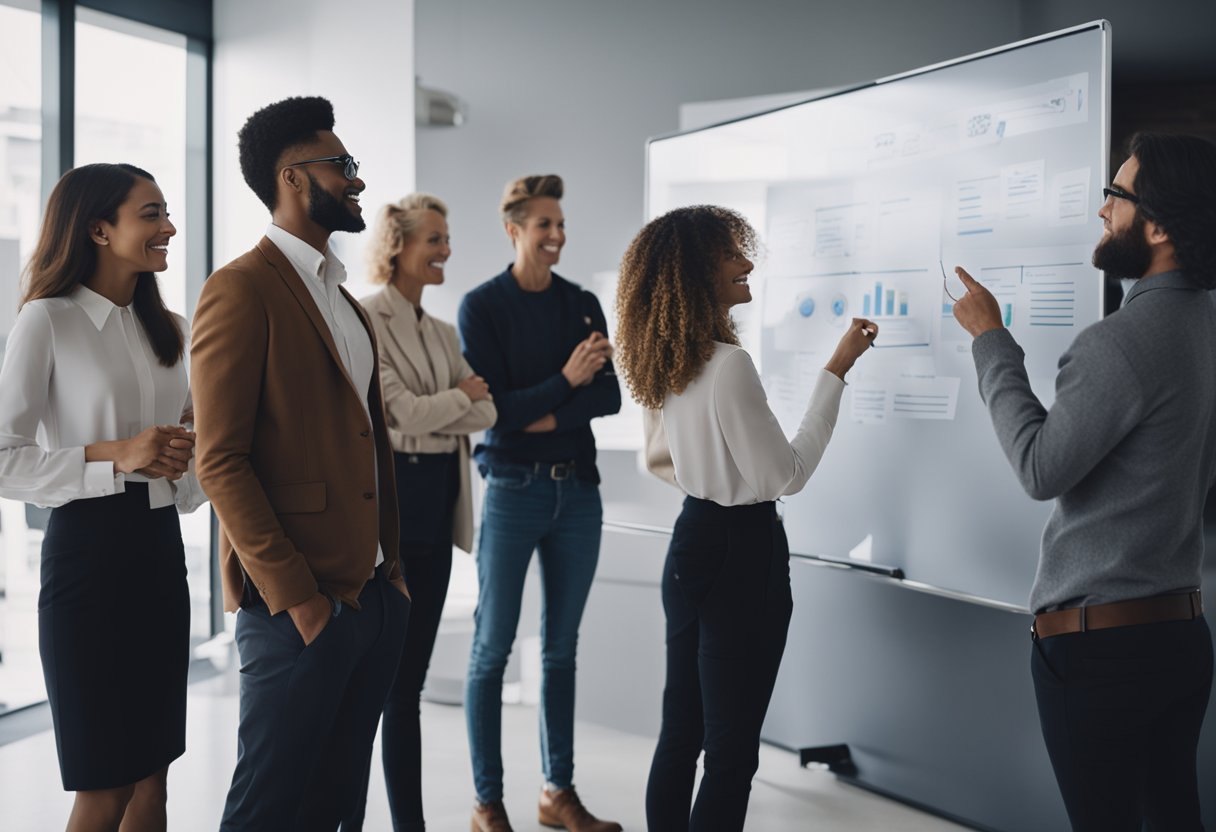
{"points": [[350, 168], [1119, 193]]}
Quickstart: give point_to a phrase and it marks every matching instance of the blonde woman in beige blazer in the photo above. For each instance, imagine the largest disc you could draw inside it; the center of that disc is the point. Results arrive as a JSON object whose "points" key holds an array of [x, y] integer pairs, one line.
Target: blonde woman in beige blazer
{"points": [[433, 401]]}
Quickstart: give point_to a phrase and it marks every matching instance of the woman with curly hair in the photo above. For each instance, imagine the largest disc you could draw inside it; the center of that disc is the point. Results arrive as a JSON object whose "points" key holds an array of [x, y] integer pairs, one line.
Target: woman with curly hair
{"points": [[726, 583]]}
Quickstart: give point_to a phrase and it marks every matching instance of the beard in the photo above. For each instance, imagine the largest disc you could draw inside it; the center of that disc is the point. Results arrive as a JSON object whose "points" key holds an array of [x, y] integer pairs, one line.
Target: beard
{"points": [[1125, 254], [329, 212]]}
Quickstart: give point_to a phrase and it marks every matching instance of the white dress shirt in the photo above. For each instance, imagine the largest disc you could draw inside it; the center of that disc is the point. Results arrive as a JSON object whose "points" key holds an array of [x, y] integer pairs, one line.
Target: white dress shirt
{"points": [[78, 370], [323, 274], [726, 444]]}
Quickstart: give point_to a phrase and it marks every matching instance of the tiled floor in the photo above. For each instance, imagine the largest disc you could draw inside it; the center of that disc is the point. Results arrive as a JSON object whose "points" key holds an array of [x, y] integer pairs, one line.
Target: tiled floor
{"points": [[611, 778]]}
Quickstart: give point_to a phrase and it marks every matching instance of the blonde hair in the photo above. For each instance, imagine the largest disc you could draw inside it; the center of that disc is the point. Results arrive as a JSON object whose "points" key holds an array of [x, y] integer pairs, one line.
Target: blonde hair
{"points": [[394, 225], [514, 205]]}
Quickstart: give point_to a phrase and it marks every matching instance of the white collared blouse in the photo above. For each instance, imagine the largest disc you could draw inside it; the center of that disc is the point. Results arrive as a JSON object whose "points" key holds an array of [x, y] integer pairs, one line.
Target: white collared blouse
{"points": [[78, 370], [728, 447]]}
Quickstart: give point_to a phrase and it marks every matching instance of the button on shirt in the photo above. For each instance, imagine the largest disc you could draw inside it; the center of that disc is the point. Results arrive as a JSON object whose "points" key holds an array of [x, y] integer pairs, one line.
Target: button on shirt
{"points": [[323, 274], [79, 370]]}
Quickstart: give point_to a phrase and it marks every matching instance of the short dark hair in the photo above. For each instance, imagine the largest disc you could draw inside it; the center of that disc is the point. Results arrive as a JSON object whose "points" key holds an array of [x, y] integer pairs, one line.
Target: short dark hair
{"points": [[1176, 184], [273, 130]]}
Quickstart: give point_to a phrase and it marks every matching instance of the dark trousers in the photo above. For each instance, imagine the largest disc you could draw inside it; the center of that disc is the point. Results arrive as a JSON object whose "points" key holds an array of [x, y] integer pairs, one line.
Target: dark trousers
{"points": [[726, 593], [1121, 710], [427, 488], [401, 734], [309, 714]]}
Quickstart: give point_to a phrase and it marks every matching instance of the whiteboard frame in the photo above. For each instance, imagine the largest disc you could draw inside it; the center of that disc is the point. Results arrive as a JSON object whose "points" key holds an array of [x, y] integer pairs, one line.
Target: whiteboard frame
{"points": [[1101, 25]]}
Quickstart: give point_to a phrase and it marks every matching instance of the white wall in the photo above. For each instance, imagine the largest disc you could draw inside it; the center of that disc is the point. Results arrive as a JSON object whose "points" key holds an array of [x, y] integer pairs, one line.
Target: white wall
{"points": [[359, 55], [576, 88]]}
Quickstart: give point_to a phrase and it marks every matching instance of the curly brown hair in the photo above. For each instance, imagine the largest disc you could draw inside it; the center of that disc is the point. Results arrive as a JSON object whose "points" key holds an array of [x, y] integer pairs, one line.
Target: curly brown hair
{"points": [[668, 315]]}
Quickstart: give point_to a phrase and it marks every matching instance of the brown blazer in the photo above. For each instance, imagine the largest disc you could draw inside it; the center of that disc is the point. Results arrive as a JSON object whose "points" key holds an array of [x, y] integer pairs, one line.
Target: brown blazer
{"points": [[284, 444]]}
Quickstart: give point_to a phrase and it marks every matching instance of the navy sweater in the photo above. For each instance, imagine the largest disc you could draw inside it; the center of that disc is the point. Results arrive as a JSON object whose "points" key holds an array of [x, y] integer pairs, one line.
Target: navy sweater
{"points": [[518, 342]]}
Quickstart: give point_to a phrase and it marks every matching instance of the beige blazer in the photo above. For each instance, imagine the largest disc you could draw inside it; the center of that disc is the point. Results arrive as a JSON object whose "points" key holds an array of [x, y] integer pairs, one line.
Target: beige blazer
{"points": [[420, 366], [284, 443]]}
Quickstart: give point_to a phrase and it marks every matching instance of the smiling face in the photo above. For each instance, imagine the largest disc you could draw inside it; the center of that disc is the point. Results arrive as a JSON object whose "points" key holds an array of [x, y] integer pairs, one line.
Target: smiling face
{"points": [[730, 283], [331, 200], [138, 239], [539, 238], [426, 251]]}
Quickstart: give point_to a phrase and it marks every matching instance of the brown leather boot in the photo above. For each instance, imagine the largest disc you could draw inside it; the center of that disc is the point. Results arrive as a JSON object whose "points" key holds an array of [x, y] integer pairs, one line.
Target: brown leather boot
{"points": [[490, 817], [563, 810]]}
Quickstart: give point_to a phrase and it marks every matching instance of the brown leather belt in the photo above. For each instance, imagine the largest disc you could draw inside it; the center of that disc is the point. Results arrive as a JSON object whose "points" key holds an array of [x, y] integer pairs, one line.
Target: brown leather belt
{"points": [[1118, 614]]}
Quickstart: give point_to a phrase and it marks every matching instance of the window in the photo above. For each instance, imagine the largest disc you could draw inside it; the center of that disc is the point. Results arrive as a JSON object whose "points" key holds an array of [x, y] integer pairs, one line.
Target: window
{"points": [[140, 95], [20, 209], [131, 106]]}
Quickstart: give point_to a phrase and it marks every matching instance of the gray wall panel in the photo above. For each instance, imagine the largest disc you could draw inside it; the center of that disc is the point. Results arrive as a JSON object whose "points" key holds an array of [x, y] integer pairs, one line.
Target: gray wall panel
{"points": [[932, 694]]}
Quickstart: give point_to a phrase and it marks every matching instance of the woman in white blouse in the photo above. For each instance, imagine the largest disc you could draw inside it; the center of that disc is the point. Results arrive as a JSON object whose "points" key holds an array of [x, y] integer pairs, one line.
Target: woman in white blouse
{"points": [[726, 584], [433, 401], [93, 396]]}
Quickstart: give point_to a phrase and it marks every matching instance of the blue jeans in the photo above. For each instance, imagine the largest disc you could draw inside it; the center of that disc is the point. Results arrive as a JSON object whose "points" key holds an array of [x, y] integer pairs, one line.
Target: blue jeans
{"points": [[526, 510]]}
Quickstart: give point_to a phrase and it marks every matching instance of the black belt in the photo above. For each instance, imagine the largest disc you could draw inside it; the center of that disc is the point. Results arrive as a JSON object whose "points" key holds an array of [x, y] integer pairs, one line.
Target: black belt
{"points": [[554, 470]]}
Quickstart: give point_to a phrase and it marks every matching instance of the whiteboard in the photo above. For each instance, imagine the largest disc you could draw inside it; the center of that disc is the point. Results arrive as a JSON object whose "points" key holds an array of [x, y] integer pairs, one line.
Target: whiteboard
{"points": [[995, 162]]}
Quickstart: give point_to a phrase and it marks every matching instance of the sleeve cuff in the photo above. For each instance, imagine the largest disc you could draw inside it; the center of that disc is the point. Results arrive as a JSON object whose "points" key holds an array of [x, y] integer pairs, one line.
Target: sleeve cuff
{"points": [[101, 480], [994, 344], [187, 493]]}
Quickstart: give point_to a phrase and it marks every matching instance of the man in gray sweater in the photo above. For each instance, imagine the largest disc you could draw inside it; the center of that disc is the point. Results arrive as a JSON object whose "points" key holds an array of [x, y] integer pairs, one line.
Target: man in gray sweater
{"points": [[1122, 657]]}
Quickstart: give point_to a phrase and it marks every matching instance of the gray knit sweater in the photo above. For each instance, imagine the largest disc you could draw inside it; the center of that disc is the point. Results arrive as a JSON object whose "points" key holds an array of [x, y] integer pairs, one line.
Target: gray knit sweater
{"points": [[1128, 450]]}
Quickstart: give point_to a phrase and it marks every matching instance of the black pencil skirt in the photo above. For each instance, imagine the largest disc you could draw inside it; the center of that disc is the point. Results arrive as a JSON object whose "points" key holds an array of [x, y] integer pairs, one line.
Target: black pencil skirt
{"points": [[114, 636]]}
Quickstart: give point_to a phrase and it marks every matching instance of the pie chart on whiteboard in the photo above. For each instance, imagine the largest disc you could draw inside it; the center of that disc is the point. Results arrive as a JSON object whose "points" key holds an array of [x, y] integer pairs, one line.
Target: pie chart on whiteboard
{"points": [[840, 309]]}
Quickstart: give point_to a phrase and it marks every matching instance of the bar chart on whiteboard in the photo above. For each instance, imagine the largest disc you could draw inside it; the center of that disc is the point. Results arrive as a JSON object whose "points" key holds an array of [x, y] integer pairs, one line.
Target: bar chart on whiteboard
{"points": [[865, 202]]}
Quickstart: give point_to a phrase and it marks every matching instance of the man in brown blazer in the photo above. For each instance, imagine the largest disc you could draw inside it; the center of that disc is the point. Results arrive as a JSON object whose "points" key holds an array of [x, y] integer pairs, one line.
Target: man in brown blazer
{"points": [[294, 454]]}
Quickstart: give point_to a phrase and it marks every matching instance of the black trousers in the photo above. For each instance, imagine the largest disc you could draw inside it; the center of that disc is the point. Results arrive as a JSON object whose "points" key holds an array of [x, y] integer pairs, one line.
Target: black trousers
{"points": [[427, 488], [726, 594], [1121, 710], [308, 714]]}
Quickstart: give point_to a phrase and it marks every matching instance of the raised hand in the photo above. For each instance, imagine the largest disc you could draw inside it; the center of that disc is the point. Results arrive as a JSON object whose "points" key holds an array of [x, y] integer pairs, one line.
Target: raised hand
{"points": [[977, 311], [857, 339]]}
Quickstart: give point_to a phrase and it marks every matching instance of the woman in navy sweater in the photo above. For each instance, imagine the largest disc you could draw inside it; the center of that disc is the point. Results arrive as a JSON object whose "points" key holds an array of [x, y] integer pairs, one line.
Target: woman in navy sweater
{"points": [[539, 342]]}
